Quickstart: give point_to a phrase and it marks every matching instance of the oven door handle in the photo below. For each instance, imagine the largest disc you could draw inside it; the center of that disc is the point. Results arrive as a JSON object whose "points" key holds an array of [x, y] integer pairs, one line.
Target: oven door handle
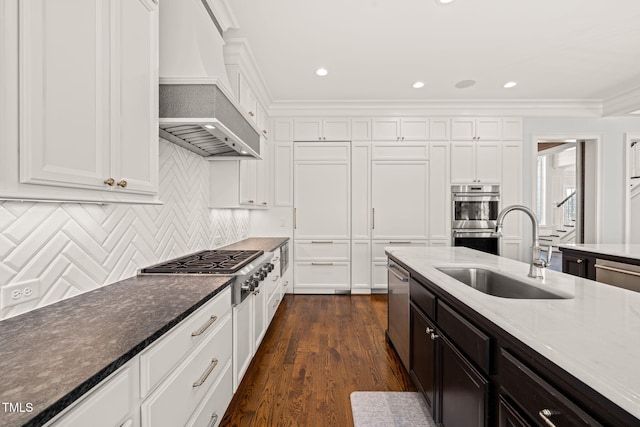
{"points": [[478, 233]]}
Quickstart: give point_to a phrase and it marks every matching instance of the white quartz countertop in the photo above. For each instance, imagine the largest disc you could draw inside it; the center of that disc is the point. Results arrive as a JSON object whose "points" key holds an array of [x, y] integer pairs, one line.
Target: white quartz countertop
{"points": [[594, 335], [625, 250]]}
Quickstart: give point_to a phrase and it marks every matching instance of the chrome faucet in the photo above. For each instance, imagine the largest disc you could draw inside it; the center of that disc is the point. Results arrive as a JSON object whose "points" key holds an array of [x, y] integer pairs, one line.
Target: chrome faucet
{"points": [[538, 264]]}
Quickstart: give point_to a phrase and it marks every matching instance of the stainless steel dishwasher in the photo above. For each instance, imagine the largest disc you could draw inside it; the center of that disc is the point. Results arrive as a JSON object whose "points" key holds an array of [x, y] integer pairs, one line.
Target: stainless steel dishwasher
{"points": [[398, 331], [618, 274]]}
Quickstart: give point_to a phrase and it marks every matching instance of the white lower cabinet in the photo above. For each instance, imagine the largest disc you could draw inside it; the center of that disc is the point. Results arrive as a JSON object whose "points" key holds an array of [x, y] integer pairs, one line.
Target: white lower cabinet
{"points": [[176, 399], [242, 340], [379, 260], [215, 403], [113, 403], [511, 249], [361, 266]]}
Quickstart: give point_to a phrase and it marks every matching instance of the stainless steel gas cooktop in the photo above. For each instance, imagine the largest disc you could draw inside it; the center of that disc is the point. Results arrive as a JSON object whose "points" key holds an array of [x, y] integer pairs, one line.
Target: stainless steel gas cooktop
{"points": [[205, 262]]}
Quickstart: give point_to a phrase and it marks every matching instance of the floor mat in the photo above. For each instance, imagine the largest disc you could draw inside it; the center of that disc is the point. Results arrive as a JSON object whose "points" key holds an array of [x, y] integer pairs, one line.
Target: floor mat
{"points": [[389, 409]]}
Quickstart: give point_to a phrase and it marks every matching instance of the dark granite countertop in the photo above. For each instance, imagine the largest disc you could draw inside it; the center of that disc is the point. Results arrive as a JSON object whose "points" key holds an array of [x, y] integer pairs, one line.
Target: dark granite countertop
{"points": [[267, 244], [51, 356]]}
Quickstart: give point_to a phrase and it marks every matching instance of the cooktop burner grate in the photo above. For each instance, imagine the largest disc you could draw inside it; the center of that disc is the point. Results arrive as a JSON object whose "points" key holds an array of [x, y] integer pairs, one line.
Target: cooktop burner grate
{"points": [[206, 262]]}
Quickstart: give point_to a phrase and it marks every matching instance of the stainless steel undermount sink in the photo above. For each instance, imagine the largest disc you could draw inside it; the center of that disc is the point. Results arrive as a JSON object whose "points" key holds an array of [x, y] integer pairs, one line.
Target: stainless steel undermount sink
{"points": [[493, 283]]}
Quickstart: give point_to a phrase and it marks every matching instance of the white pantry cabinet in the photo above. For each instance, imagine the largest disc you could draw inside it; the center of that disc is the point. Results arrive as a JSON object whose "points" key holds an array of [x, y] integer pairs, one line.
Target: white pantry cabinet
{"points": [[400, 129], [283, 174], [322, 130], [476, 128], [88, 98], [511, 194], [476, 161], [439, 191]]}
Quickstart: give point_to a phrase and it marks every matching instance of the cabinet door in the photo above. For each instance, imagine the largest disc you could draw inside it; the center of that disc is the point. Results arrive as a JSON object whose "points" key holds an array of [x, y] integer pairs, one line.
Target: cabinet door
{"points": [[242, 339], [259, 314], [65, 93], [512, 129], [511, 249], [307, 130], [322, 196], [135, 136], [463, 163], [247, 98], [463, 129], [511, 188], [361, 129], [248, 179], [423, 357], [488, 162], [263, 176], [262, 121], [283, 174], [508, 416], [465, 392], [439, 192], [400, 199], [385, 128], [361, 191], [361, 266], [336, 130], [488, 128], [414, 129]]}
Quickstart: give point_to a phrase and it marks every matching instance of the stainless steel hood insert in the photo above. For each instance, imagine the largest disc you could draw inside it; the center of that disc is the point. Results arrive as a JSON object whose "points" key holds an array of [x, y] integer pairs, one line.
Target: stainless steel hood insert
{"points": [[202, 119]]}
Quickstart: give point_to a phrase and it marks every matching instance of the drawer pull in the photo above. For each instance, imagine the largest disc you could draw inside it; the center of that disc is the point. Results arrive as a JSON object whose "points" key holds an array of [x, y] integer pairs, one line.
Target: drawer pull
{"points": [[214, 420], [204, 327], [275, 259], [618, 270], [275, 279], [322, 241], [321, 263], [400, 243], [579, 261], [204, 376], [429, 330], [545, 414], [285, 284]]}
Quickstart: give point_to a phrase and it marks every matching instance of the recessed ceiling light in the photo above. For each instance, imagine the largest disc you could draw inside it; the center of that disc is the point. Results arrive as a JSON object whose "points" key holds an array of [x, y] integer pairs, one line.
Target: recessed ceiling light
{"points": [[322, 72], [443, 1], [509, 85], [635, 112], [209, 126], [463, 84], [243, 152], [417, 85]]}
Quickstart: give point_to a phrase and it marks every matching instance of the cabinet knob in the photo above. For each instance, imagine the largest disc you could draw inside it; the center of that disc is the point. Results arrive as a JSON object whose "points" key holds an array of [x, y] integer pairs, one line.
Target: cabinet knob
{"points": [[579, 261], [434, 336], [402, 138], [250, 201], [397, 138], [110, 182], [264, 203], [429, 330], [264, 131], [251, 113], [122, 183]]}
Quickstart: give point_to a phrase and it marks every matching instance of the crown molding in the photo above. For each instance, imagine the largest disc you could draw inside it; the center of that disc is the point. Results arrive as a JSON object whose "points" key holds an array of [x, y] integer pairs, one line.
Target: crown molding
{"points": [[623, 104], [223, 14], [466, 107]]}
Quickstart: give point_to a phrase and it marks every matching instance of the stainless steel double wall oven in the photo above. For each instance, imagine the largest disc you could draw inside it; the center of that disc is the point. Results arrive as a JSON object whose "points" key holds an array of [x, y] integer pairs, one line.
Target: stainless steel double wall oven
{"points": [[475, 209]]}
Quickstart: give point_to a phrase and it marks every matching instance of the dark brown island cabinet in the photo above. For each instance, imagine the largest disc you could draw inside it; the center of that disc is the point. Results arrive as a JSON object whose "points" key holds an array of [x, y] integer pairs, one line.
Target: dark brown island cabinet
{"points": [[615, 270], [473, 373]]}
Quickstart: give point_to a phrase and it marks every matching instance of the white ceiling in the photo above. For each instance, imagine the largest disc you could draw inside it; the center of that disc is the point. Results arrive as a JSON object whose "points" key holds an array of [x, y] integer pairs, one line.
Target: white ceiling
{"points": [[376, 49]]}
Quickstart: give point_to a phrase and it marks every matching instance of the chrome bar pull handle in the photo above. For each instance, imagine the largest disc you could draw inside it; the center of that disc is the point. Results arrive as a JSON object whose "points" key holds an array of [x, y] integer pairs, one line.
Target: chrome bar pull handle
{"points": [[214, 420], [206, 374], [295, 218], [204, 327], [373, 218], [546, 414]]}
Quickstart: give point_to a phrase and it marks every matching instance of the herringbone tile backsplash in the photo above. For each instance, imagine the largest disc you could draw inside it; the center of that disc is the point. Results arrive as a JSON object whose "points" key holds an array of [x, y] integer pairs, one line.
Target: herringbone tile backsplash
{"points": [[66, 249]]}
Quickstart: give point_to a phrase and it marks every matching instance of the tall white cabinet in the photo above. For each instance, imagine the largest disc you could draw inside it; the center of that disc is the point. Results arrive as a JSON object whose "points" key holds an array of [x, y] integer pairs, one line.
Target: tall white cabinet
{"points": [[322, 212]]}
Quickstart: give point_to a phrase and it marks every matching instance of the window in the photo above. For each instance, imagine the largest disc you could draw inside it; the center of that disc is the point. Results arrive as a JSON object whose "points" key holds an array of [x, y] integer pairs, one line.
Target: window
{"points": [[569, 214]]}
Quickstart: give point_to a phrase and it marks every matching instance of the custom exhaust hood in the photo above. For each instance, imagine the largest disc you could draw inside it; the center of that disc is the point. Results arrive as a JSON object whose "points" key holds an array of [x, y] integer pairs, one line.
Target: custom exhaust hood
{"points": [[196, 108], [202, 119]]}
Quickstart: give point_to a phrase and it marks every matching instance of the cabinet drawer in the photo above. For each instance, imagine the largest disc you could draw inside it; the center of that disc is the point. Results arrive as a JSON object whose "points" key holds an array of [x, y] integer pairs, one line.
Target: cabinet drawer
{"points": [[379, 245], [322, 276], [322, 250], [109, 405], [175, 399], [474, 343], [538, 398], [157, 360], [273, 304], [215, 402], [421, 297]]}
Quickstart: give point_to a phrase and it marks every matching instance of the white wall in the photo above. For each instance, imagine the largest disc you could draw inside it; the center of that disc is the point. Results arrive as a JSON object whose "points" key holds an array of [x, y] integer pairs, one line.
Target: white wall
{"points": [[69, 248], [612, 160]]}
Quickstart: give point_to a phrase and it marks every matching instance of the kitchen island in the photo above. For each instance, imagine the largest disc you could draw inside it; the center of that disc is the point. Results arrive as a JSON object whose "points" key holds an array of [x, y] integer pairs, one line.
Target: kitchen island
{"points": [[585, 343]]}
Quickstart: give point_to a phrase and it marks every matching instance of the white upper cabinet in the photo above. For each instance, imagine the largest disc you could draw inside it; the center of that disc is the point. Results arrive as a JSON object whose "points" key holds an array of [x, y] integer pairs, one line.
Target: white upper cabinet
{"points": [[247, 98], [400, 129], [262, 121], [439, 129], [361, 189], [322, 130], [282, 130], [88, 97], [478, 161], [474, 129], [512, 129], [361, 129], [283, 174]]}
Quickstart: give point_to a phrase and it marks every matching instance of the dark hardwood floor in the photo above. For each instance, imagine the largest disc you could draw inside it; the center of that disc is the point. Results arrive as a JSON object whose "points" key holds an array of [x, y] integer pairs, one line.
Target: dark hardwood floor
{"points": [[318, 349]]}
